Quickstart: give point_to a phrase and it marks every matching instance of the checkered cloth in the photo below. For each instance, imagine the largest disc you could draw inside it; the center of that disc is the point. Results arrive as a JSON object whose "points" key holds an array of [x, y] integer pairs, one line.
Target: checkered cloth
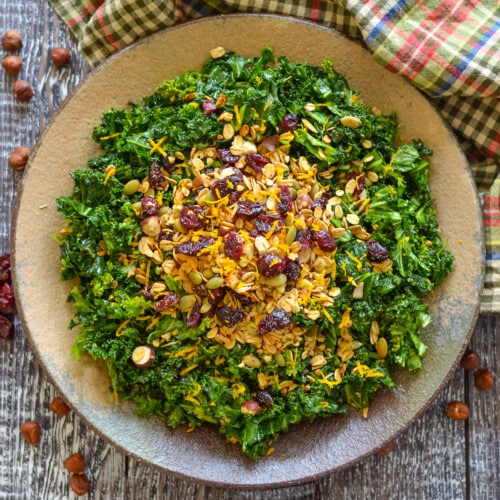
{"points": [[450, 49]]}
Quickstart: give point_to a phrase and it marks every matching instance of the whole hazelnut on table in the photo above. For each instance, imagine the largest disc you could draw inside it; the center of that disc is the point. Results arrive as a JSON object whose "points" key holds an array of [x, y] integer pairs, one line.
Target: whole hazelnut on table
{"points": [[31, 431], [22, 90], [19, 157], [79, 483], [457, 410], [388, 448], [483, 379], [12, 64], [75, 463], [12, 40], [470, 360], [59, 406], [60, 56]]}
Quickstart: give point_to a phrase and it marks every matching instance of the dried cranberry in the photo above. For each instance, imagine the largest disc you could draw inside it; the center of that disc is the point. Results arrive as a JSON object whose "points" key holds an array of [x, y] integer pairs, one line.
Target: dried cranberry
{"points": [[265, 222], [244, 300], [156, 176], [166, 236], [305, 238], [292, 270], [264, 398], [276, 320], [285, 203], [6, 328], [216, 295], [256, 161], [249, 210], [208, 106], [233, 245], [193, 217], [271, 265], [376, 251], [230, 316], [7, 301], [194, 317], [200, 291], [288, 123], [227, 157], [5, 277], [4, 262], [149, 206], [167, 301], [194, 247], [169, 164], [322, 201], [324, 240], [147, 294], [226, 187]]}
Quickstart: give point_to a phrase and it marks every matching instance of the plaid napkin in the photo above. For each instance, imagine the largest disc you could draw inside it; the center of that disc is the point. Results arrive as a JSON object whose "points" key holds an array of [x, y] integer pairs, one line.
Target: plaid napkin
{"points": [[450, 49]]}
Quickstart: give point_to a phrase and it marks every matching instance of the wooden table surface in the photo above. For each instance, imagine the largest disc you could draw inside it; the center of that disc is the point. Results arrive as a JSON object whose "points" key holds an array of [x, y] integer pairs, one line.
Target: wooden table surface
{"points": [[436, 458]]}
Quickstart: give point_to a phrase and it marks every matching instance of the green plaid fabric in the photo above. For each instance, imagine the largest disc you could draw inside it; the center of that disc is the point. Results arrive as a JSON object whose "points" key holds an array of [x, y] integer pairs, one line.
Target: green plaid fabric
{"points": [[449, 49]]}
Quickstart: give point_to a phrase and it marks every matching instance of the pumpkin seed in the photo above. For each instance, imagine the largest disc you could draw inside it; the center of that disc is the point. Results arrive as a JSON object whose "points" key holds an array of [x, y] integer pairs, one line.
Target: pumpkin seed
{"points": [[131, 187], [215, 282], [291, 235], [276, 281], [186, 302], [195, 278]]}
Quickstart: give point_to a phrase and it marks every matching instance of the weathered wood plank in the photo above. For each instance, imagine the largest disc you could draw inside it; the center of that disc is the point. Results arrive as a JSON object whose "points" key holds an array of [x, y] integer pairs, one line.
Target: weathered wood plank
{"points": [[484, 423], [434, 458]]}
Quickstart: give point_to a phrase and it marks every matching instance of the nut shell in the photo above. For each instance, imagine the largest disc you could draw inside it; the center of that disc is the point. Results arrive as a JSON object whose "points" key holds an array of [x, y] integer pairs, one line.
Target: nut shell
{"points": [[19, 157], [484, 379], [59, 406], [458, 410], [22, 90], [12, 40], [470, 360], [60, 56], [12, 64], [79, 483], [31, 431], [75, 463]]}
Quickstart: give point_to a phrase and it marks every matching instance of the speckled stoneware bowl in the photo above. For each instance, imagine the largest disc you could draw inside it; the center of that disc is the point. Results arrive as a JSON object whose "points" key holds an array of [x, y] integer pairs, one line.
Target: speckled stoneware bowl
{"points": [[308, 450]]}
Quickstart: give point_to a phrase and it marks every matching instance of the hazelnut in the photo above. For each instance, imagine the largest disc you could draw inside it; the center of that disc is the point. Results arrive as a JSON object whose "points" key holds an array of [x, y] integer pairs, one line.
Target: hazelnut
{"points": [[483, 379], [79, 483], [19, 157], [12, 40], [75, 463], [12, 64], [143, 356], [388, 448], [470, 360], [31, 431], [457, 410], [60, 56], [22, 90], [251, 407], [59, 406]]}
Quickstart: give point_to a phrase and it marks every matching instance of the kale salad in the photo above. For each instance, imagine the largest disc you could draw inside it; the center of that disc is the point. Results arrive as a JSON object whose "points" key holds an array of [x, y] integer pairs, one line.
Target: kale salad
{"points": [[251, 248]]}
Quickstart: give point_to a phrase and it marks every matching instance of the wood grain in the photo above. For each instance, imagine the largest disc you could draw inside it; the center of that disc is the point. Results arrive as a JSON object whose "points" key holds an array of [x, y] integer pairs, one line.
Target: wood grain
{"points": [[436, 458]]}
